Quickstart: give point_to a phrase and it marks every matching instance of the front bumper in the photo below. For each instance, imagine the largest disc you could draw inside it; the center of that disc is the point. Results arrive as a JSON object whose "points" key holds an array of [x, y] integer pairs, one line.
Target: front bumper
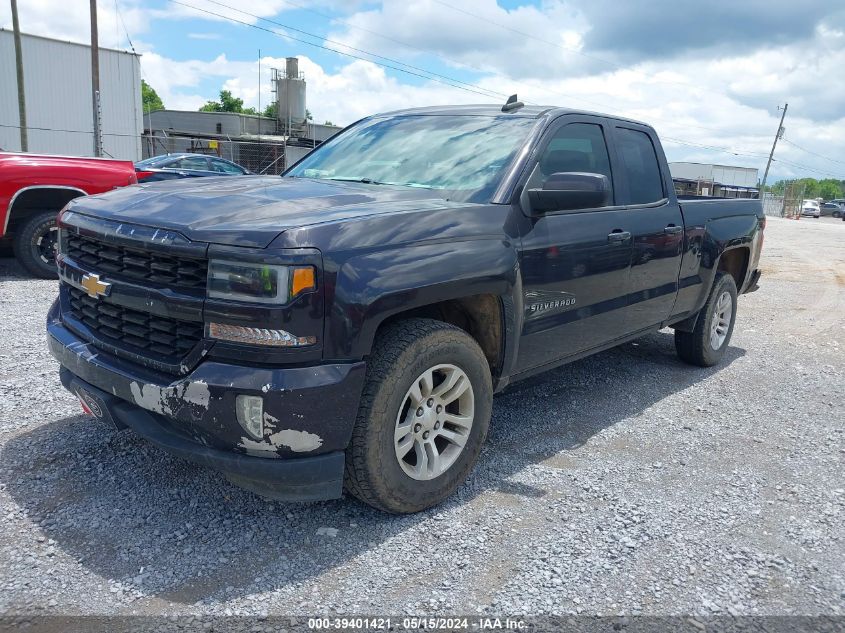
{"points": [[308, 413]]}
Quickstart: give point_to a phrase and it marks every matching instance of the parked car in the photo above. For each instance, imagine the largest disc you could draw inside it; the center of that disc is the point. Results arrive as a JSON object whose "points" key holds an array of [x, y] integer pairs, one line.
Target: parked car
{"points": [[185, 165], [829, 208], [35, 187], [810, 208], [347, 324]]}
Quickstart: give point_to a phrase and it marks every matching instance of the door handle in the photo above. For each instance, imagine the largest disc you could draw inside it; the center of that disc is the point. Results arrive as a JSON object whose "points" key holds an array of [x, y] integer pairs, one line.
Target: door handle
{"points": [[673, 230], [618, 235]]}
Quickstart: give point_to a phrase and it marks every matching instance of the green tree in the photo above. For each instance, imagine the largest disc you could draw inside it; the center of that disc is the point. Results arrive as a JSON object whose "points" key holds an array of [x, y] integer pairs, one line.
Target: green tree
{"points": [[327, 122], [149, 98], [227, 103], [830, 188], [272, 110]]}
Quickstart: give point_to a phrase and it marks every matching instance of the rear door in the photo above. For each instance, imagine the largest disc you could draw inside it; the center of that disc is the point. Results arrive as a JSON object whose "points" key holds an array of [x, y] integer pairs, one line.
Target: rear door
{"points": [[574, 263], [656, 224]]}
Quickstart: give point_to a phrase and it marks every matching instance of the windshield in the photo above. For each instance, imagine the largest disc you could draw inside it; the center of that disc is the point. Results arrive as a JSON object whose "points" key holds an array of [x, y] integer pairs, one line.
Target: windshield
{"points": [[463, 155]]}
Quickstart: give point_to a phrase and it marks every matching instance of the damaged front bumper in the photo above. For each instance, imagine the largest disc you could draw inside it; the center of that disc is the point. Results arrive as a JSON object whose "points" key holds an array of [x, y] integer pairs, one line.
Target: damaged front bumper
{"points": [[308, 414]]}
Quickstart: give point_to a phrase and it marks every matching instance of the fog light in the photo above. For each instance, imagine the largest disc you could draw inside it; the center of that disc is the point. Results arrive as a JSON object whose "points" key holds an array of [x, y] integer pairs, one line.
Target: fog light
{"points": [[250, 411], [257, 335]]}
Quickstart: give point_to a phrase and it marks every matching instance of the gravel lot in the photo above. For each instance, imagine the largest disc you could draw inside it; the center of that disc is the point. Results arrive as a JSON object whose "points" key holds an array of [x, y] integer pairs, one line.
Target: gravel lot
{"points": [[623, 483]]}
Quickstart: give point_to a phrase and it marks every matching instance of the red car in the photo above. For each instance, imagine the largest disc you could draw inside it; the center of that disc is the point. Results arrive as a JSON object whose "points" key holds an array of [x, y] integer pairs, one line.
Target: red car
{"points": [[35, 187]]}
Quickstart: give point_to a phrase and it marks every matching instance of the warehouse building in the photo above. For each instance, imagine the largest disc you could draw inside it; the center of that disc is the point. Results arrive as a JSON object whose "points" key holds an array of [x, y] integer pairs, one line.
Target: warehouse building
{"points": [[59, 111], [724, 181], [261, 144]]}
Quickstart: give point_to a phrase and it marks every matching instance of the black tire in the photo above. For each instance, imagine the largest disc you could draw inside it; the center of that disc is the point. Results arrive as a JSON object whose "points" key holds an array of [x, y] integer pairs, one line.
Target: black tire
{"points": [[695, 347], [32, 251], [403, 351]]}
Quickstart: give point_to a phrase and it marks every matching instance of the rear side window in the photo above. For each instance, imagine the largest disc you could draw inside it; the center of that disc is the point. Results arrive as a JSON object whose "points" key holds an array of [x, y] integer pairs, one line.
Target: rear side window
{"points": [[193, 162], [224, 167], [639, 160]]}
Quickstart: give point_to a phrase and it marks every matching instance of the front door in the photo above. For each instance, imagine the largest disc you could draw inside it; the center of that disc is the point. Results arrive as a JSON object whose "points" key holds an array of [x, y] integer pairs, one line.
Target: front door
{"points": [[575, 264]]}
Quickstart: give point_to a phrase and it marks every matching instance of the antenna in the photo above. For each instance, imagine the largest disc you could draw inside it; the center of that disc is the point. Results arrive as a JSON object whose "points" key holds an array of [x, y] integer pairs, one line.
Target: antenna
{"points": [[512, 104]]}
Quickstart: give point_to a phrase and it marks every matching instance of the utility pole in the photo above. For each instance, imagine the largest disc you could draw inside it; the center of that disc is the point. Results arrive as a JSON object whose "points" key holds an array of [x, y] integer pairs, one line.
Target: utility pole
{"points": [[95, 80], [772, 153], [16, 29]]}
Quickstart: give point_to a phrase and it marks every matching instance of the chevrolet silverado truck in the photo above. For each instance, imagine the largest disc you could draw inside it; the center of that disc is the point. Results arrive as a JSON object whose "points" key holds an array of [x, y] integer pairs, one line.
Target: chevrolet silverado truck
{"points": [[35, 187], [346, 325]]}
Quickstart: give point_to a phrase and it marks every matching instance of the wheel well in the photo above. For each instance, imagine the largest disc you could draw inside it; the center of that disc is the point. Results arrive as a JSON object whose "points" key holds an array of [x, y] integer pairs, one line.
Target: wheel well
{"points": [[480, 316], [735, 263], [32, 201]]}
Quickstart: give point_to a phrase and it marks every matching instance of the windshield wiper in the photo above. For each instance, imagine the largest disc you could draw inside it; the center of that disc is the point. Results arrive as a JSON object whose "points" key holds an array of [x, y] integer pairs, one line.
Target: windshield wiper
{"points": [[367, 181], [370, 181]]}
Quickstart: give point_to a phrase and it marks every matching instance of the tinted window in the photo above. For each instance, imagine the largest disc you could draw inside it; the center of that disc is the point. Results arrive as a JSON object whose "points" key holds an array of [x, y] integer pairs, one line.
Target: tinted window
{"points": [[225, 167], [639, 161], [576, 147], [155, 161], [192, 162]]}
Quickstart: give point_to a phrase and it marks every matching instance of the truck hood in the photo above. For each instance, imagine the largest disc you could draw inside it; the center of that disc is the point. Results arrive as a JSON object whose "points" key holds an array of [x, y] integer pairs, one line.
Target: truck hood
{"points": [[248, 210]]}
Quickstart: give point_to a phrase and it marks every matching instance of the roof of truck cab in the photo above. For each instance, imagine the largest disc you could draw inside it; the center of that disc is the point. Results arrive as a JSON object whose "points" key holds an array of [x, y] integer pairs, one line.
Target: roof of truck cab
{"points": [[525, 112]]}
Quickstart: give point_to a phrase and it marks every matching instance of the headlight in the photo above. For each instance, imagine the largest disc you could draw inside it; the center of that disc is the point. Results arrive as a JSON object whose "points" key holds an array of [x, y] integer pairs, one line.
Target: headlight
{"points": [[258, 283]]}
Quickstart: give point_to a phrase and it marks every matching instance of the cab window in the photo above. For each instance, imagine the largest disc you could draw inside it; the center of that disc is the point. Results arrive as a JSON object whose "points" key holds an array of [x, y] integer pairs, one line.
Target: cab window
{"points": [[577, 147]]}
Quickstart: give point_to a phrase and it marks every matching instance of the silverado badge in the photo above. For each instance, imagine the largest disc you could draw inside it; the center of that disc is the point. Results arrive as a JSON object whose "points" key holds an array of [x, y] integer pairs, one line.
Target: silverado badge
{"points": [[539, 301], [94, 287]]}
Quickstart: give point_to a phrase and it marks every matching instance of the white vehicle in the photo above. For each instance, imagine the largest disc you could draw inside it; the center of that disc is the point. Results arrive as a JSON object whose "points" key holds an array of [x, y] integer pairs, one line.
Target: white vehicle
{"points": [[811, 208]]}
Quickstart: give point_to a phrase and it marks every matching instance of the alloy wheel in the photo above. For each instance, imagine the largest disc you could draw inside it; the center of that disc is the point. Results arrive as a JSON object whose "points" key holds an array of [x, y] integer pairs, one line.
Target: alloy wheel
{"points": [[434, 422], [721, 320]]}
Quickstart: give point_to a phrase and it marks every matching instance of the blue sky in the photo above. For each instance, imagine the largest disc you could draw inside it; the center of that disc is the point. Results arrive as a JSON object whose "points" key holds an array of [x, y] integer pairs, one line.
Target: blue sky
{"points": [[709, 76]]}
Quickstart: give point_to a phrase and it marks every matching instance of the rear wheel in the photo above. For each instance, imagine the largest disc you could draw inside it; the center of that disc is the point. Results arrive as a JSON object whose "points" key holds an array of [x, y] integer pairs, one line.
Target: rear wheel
{"points": [[35, 244], [706, 344], [423, 416]]}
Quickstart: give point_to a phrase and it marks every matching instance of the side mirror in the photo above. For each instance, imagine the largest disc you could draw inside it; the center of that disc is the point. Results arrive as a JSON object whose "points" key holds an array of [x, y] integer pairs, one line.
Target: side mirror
{"points": [[565, 191]]}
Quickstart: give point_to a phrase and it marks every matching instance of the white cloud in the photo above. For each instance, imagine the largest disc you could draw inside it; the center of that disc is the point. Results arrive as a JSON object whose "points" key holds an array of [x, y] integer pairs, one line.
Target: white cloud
{"points": [[204, 36], [70, 20], [714, 96]]}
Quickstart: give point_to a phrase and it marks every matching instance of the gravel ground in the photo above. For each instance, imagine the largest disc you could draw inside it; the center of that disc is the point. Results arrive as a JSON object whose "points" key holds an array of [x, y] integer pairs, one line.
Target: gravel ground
{"points": [[623, 483]]}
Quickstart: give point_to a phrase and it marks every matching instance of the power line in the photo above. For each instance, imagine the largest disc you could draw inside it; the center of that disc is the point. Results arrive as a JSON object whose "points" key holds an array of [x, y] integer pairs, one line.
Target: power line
{"points": [[568, 49], [804, 149], [125, 30], [484, 92], [604, 106], [429, 75]]}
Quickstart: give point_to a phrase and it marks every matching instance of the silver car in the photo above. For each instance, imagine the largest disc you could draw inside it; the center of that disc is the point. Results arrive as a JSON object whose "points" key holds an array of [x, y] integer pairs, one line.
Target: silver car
{"points": [[811, 209]]}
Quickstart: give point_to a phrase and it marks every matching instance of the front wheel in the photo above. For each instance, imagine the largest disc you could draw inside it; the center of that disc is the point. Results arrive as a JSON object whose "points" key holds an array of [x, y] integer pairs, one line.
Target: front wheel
{"points": [[423, 417], [706, 344], [35, 245]]}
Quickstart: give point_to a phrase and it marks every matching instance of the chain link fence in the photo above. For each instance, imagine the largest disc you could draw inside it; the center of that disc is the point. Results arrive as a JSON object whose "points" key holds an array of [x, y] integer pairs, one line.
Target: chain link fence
{"points": [[258, 156], [787, 205]]}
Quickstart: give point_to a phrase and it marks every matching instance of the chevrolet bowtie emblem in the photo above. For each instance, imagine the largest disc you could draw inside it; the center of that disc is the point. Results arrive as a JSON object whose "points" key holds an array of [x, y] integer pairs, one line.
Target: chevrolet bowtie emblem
{"points": [[94, 287]]}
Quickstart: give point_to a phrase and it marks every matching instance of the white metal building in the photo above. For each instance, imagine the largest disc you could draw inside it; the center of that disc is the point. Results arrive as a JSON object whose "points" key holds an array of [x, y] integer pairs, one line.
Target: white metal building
{"points": [[719, 180], [57, 78]]}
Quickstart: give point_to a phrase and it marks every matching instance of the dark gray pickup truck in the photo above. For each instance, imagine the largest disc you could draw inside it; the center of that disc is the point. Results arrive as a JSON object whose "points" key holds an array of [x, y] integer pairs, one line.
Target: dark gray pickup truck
{"points": [[346, 325]]}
